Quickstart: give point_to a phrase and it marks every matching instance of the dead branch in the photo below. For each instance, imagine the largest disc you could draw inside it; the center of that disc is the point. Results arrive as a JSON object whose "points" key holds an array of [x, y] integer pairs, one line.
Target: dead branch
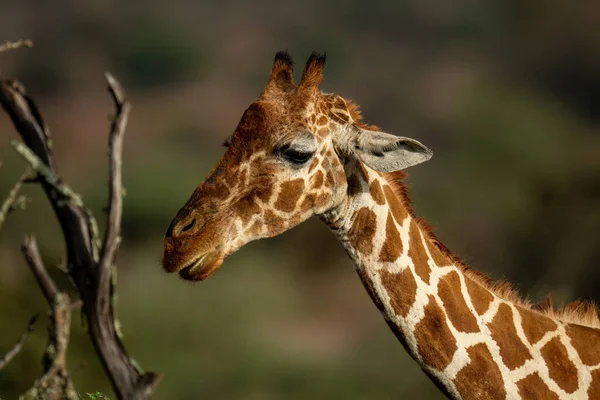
{"points": [[112, 235], [55, 383], [91, 272], [8, 357], [13, 201], [15, 45]]}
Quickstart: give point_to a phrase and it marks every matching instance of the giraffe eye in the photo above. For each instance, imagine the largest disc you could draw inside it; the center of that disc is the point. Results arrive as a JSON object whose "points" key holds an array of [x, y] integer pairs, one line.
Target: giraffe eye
{"points": [[295, 156]]}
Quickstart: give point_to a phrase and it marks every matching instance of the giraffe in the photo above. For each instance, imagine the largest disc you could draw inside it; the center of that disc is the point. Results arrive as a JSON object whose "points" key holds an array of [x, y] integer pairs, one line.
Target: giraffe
{"points": [[299, 152]]}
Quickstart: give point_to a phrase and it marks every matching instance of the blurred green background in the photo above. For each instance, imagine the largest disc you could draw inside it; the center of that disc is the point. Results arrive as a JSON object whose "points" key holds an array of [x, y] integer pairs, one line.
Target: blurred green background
{"points": [[506, 93]]}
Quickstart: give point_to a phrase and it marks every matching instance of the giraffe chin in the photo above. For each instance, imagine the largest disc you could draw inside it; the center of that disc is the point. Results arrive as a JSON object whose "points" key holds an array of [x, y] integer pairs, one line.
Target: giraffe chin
{"points": [[202, 267]]}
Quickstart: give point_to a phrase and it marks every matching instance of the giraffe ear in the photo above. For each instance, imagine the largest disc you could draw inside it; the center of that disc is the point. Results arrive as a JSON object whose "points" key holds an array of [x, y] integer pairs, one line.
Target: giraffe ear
{"points": [[386, 153]]}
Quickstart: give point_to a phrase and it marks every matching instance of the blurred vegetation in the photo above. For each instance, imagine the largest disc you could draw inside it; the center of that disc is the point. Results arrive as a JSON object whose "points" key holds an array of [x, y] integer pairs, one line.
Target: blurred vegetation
{"points": [[506, 93]]}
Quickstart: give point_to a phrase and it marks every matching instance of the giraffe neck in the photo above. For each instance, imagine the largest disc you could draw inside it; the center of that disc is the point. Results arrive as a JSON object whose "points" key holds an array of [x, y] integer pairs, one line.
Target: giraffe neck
{"points": [[471, 342]]}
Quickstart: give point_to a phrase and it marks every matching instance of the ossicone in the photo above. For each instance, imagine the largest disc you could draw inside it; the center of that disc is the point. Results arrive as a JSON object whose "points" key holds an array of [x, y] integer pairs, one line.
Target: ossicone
{"points": [[282, 75], [313, 71]]}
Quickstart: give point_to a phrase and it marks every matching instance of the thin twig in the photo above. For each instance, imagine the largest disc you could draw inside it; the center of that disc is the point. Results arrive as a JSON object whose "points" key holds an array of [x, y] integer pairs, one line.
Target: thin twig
{"points": [[55, 383], [115, 190], [8, 357], [15, 45], [13, 201], [30, 250], [46, 173]]}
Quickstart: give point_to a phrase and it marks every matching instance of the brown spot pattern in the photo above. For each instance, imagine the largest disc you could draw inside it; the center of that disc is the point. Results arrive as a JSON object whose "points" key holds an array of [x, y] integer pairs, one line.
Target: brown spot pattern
{"points": [[535, 325], [480, 297], [417, 253], [481, 378], [402, 289], [339, 117], [594, 389], [322, 120], [289, 194], [398, 210], [313, 165], [512, 350], [436, 344], [256, 228], [363, 230], [275, 223], [246, 207], [586, 342], [561, 369], [533, 387], [317, 180], [330, 180], [392, 246], [438, 257], [377, 193], [323, 132], [449, 290], [264, 194]]}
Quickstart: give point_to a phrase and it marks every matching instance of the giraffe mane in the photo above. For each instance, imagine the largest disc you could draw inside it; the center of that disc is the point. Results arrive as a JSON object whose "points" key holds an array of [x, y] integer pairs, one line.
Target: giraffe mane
{"points": [[578, 312]]}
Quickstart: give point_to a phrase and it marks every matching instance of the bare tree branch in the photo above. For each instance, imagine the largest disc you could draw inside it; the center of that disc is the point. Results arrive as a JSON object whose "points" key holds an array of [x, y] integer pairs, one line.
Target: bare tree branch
{"points": [[35, 263], [13, 201], [115, 191], [56, 382], [15, 45], [8, 357], [80, 235]]}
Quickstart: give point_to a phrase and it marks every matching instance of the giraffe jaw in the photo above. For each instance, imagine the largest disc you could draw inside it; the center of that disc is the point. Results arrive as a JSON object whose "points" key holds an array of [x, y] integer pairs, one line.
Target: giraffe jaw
{"points": [[202, 267]]}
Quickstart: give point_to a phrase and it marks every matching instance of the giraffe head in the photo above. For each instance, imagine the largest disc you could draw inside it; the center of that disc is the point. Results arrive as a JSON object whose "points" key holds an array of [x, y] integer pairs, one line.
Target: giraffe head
{"points": [[283, 164]]}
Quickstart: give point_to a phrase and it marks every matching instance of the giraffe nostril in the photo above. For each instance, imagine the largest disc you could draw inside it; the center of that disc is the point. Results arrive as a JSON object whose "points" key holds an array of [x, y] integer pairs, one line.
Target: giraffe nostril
{"points": [[189, 226]]}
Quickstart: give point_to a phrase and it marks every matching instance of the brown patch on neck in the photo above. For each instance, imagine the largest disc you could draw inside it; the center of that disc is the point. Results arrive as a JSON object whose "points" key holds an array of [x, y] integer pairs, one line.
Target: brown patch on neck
{"points": [[480, 296], [289, 194], [392, 246], [533, 387], [449, 290], [417, 253], [435, 342], [480, 378], [586, 342], [398, 210], [402, 289], [377, 193], [363, 229], [594, 389], [560, 367], [512, 350], [535, 325], [439, 258]]}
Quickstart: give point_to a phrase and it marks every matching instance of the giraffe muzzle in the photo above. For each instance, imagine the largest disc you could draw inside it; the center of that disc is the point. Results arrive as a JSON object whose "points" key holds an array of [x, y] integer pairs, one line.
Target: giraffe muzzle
{"points": [[202, 267]]}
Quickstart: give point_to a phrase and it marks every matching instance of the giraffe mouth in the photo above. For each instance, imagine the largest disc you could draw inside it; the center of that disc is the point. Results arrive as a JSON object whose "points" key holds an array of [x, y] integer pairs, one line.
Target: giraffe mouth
{"points": [[201, 267]]}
